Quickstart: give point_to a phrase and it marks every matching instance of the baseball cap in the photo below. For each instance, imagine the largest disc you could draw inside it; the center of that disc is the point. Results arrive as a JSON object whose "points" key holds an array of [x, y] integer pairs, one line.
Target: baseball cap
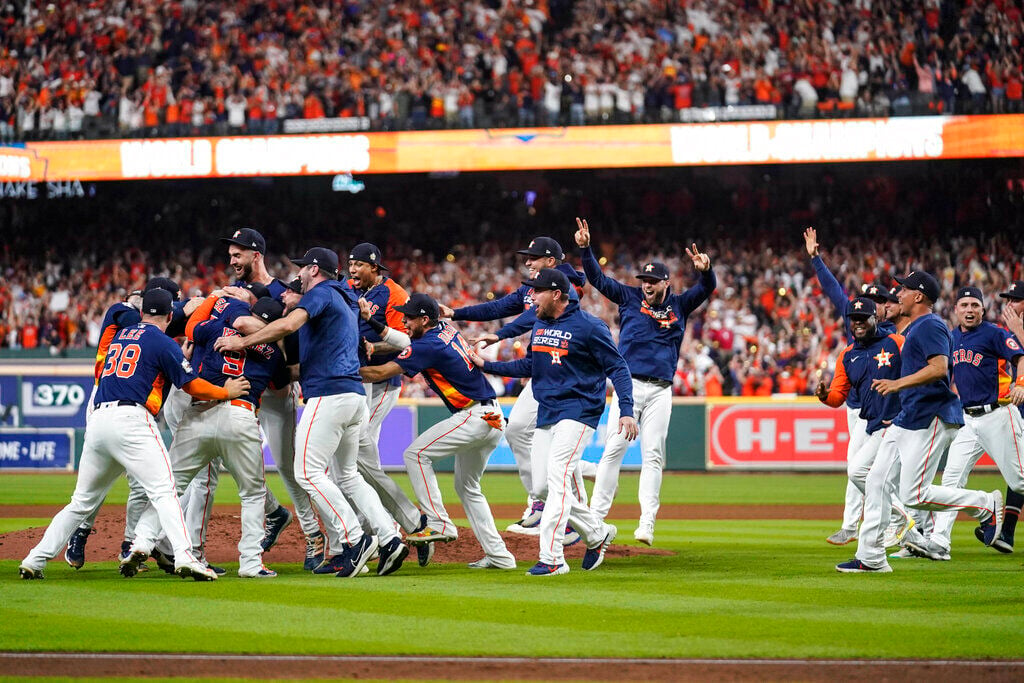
{"points": [[164, 283], [295, 285], [319, 256], [247, 238], [970, 292], [1016, 290], [258, 289], [420, 304], [922, 282], [157, 301], [549, 278], [861, 307], [655, 270], [543, 246], [268, 309], [878, 294], [367, 253]]}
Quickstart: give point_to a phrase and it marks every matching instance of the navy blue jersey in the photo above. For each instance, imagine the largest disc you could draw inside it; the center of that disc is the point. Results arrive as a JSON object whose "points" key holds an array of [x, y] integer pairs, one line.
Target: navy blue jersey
{"points": [[117, 316], [329, 342], [176, 327], [382, 298], [649, 337], [443, 356], [981, 360], [857, 366], [569, 359], [276, 287], [291, 342], [516, 302], [140, 365], [227, 310], [260, 364], [925, 338]]}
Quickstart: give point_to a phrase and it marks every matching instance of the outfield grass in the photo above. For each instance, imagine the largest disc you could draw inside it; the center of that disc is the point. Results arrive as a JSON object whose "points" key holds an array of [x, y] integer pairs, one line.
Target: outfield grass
{"points": [[763, 588]]}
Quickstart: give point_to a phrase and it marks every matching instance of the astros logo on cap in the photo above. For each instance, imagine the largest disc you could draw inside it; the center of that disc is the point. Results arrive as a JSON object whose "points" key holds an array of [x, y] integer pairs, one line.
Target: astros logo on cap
{"points": [[649, 267], [858, 305], [237, 234], [873, 290]]}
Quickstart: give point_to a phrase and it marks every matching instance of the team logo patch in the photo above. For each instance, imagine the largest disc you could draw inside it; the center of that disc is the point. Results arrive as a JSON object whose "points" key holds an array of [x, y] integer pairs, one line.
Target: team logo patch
{"points": [[884, 358], [406, 352], [186, 366], [664, 318], [1012, 344]]}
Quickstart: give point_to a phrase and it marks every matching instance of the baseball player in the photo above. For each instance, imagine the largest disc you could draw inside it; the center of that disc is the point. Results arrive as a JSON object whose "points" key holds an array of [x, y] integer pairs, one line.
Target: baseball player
{"points": [[929, 416], [226, 429], [854, 503], [382, 295], [571, 354], [328, 434], [440, 353], [542, 252], [651, 325], [982, 355], [122, 435], [1011, 315]]}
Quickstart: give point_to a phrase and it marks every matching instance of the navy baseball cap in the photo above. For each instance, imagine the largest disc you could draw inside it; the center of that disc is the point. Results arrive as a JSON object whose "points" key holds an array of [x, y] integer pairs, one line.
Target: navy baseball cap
{"points": [[1016, 290], [157, 301], [319, 256], [878, 294], [258, 289], [549, 278], [367, 253], [923, 282], [164, 283], [268, 309], [295, 285], [247, 238], [970, 292], [420, 304], [861, 307], [543, 246], [655, 270]]}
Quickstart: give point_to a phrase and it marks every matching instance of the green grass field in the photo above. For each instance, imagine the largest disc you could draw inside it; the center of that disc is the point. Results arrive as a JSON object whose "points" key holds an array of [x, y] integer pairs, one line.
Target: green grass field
{"points": [[761, 588]]}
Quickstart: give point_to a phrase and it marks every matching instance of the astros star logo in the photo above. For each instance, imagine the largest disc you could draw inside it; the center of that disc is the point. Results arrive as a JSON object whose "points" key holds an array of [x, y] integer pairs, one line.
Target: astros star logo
{"points": [[649, 267], [237, 233], [858, 305], [883, 358]]}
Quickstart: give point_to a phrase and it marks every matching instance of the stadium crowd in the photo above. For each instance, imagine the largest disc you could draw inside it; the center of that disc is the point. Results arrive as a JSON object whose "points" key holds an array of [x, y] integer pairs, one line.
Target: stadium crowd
{"points": [[71, 69]]}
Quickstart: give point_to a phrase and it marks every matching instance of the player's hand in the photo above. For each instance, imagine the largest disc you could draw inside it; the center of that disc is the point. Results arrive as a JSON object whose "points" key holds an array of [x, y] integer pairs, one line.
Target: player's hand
{"points": [[821, 391], [811, 242], [192, 304], [1017, 395], [485, 340], [186, 349], [240, 293], [445, 312], [365, 310], [628, 428], [885, 387], [475, 357], [583, 233], [700, 260], [232, 343], [1013, 322], [237, 386], [368, 347]]}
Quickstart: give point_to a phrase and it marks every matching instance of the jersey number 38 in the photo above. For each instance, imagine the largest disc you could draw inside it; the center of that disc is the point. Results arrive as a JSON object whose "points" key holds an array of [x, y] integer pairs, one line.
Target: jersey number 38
{"points": [[121, 360]]}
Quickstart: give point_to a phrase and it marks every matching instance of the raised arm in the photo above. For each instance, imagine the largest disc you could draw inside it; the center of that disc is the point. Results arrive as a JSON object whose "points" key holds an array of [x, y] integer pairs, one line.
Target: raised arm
{"points": [[829, 284], [614, 290], [700, 292]]}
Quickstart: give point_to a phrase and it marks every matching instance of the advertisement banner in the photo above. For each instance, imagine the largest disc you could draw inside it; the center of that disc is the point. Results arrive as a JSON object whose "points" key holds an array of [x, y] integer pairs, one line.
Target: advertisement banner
{"points": [[37, 448], [55, 400]]}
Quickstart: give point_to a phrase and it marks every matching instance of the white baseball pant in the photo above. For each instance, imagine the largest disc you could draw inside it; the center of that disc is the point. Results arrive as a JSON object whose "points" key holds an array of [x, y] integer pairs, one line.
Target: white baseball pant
{"points": [[471, 439], [560, 447], [858, 465], [999, 433], [277, 419], [857, 429], [118, 439], [912, 455], [327, 437], [380, 399], [522, 421], [212, 430], [652, 407]]}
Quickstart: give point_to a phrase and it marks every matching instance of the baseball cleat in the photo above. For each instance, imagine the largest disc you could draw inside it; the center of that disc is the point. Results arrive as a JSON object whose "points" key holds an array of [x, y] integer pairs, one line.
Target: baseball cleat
{"points": [[196, 570], [855, 566], [902, 529], [889, 539], [532, 519], [129, 566], [332, 564], [518, 528], [902, 554], [357, 555], [126, 550], [1003, 544], [842, 537], [163, 561], [993, 526], [219, 571], [429, 535], [929, 549], [644, 534], [263, 573], [422, 525], [277, 521], [593, 558], [488, 562], [28, 573], [75, 554], [572, 537], [392, 554], [542, 569], [424, 553], [314, 551]]}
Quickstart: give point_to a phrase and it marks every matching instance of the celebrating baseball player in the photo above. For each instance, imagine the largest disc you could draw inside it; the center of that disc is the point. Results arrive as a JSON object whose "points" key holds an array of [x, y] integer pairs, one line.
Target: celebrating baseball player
{"points": [[571, 354], [651, 325], [471, 434], [542, 252], [930, 414], [1013, 309], [982, 352], [122, 435], [332, 421]]}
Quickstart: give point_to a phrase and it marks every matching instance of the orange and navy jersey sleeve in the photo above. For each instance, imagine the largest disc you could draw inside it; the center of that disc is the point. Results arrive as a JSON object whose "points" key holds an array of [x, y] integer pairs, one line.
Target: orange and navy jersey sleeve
{"points": [[899, 339], [199, 315], [101, 351], [840, 387], [397, 296]]}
